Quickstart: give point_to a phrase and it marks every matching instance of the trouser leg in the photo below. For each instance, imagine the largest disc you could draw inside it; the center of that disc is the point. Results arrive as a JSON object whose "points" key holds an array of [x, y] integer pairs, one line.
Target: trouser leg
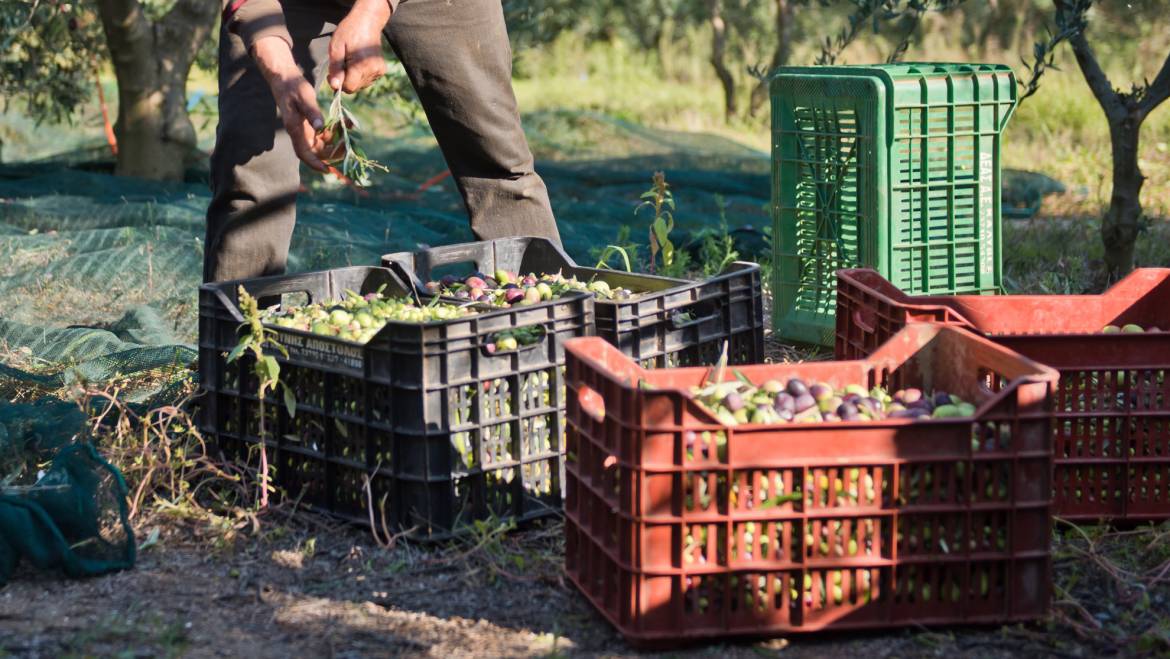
{"points": [[254, 172], [457, 55]]}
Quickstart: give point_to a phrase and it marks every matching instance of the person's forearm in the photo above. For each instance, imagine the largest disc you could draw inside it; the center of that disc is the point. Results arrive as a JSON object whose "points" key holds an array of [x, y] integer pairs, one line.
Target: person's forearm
{"points": [[275, 59]]}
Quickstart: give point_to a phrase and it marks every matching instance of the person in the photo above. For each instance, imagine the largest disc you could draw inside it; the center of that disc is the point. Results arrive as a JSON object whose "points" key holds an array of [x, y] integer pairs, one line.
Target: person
{"points": [[273, 53]]}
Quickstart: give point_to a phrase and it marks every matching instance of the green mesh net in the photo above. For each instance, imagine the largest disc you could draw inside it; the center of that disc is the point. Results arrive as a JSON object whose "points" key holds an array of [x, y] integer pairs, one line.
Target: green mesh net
{"points": [[61, 505], [99, 278]]}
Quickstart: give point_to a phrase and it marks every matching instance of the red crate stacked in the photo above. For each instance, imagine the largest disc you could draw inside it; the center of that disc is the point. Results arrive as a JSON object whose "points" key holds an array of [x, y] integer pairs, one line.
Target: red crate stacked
{"points": [[1112, 431], [681, 528]]}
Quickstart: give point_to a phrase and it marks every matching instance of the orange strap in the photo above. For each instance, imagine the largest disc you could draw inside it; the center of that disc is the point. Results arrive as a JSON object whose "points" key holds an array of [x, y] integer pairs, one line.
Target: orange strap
{"points": [[111, 139]]}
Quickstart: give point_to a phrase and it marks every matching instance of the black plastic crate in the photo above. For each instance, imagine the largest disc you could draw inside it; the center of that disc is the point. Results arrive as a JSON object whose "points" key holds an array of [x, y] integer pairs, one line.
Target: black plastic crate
{"points": [[446, 432], [672, 322]]}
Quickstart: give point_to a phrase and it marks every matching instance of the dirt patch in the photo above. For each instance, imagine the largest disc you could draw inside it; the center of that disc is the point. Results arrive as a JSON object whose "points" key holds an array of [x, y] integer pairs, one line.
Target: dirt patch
{"points": [[325, 590]]}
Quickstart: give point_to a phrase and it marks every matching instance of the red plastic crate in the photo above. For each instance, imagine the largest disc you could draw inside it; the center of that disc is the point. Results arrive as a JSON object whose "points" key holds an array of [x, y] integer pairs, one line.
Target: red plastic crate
{"points": [[1112, 431], [675, 536]]}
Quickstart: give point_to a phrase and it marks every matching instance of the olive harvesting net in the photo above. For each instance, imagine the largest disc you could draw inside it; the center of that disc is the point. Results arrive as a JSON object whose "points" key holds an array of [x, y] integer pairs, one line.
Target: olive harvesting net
{"points": [[99, 277], [61, 504]]}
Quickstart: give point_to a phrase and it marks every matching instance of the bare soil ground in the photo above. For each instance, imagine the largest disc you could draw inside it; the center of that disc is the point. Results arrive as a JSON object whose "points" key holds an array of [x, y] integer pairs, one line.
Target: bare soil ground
{"points": [[314, 588]]}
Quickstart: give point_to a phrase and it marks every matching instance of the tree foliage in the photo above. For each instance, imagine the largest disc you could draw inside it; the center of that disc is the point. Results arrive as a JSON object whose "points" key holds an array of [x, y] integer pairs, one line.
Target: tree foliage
{"points": [[48, 55]]}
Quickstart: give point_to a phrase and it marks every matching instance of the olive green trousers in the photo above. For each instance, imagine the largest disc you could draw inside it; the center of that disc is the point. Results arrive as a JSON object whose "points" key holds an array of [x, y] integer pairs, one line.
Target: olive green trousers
{"points": [[456, 54]]}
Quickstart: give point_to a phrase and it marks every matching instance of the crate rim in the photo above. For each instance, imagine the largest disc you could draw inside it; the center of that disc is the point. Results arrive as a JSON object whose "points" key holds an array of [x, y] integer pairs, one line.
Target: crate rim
{"points": [[1040, 373], [936, 303], [220, 289], [733, 268]]}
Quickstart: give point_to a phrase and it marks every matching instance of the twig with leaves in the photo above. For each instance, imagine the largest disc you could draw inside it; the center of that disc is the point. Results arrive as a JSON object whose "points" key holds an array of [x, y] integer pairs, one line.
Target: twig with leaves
{"points": [[255, 340], [1070, 21], [341, 131]]}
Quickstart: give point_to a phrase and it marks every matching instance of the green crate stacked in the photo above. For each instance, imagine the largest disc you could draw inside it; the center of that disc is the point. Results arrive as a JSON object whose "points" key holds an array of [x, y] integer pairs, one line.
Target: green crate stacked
{"points": [[893, 167]]}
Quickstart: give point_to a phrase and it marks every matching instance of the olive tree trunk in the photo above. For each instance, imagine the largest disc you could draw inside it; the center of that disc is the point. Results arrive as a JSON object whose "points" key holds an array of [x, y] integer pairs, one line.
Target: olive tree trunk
{"points": [[1125, 112], [719, 56], [780, 55], [151, 61], [1123, 220]]}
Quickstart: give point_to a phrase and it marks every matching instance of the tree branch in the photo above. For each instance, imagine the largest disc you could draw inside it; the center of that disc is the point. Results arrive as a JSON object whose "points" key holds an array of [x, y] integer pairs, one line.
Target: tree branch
{"points": [[128, 36], [1091, 69], [186, 26], [1157, 91], [1098, 82]]}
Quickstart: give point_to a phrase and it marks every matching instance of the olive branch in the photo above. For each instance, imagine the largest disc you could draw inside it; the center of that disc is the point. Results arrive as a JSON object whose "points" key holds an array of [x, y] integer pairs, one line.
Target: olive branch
{"points": [[355, 165]]}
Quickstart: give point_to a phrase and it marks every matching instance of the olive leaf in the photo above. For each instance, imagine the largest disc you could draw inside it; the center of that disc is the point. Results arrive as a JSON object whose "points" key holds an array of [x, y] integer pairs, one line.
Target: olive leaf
{"points": [[290, 400], [781, 499], [610, 250]]}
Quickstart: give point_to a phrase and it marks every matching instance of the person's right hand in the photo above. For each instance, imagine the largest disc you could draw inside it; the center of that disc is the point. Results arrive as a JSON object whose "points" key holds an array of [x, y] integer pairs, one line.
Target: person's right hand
{"points": [[295, 98]]}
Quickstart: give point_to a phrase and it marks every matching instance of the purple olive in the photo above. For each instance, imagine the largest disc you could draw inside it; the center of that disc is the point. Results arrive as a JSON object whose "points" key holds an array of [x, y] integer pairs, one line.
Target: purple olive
{"points": [[449, 280], [904, 414], [846, 410], [921, 404], [852, 398], [820, 391], [785, 403], [805, 401], [785, 415], [462, 294], [513, 295], [942, 398], [483, 298], [529, 280], [796, 387], [733, 402], [490, 282]]}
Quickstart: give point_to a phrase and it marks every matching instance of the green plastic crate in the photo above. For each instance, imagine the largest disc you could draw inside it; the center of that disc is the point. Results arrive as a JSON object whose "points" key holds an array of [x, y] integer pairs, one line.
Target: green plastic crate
{"points": [[893, 167]]}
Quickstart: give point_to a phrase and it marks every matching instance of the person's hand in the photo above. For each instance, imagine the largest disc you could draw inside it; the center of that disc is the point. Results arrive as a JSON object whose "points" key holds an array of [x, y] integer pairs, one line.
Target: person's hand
{"points": [[295, 98], [355, 50]]}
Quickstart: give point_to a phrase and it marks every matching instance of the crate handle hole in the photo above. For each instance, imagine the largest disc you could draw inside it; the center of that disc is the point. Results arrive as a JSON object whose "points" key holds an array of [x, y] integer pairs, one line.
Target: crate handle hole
{"points": [[591, 402], [684, 318], [525, 338], [295, 299]]}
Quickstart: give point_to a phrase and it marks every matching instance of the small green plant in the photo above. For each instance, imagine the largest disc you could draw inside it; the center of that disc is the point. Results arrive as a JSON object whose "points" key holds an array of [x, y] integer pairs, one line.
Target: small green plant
{"points": [[341, 127], [621, 246], [718, 247], [660, 200], [267, 370]]}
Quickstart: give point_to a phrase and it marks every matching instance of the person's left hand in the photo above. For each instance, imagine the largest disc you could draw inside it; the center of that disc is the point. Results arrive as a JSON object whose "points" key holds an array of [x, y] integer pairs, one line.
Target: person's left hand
{"points": [[355, 50]]}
